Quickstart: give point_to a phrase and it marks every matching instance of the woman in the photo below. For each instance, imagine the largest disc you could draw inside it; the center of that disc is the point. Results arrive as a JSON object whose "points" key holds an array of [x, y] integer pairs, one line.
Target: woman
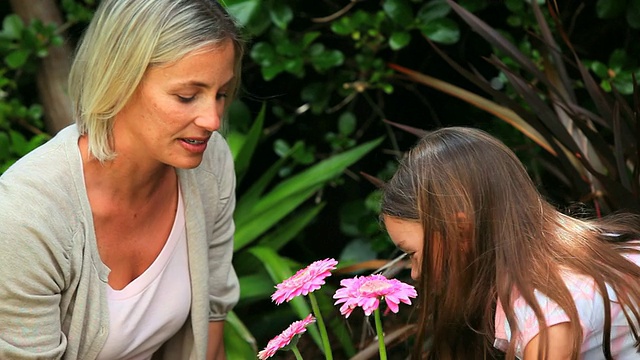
{"points": [[117, 234], [499, 268]]}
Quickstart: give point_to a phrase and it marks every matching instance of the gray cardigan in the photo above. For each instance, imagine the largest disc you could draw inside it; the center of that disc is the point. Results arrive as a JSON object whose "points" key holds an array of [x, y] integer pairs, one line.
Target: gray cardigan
{"points": [[52, 281]]}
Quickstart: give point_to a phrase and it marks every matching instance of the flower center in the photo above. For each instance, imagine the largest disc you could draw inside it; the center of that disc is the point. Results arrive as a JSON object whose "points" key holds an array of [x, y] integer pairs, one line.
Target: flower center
{"points": [[374, 286]]}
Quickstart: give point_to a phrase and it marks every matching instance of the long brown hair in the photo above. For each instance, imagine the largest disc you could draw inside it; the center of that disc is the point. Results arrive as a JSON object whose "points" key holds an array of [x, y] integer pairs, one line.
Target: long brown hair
{"points": [[488, 231]]}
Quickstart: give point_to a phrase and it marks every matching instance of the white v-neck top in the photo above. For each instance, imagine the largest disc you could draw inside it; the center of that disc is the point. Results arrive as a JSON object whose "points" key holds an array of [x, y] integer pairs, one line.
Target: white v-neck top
{"points": [[154, 306]]}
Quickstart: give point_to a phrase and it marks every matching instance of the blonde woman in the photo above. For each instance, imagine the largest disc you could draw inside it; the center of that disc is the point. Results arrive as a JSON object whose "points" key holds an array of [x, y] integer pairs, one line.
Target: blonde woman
{"points": [[117, 234], [501, 272]]}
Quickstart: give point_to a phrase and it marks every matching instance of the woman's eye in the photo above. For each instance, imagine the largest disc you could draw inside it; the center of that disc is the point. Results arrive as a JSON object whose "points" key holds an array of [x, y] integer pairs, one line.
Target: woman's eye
{"points": [[221, 95], [185, 99]]}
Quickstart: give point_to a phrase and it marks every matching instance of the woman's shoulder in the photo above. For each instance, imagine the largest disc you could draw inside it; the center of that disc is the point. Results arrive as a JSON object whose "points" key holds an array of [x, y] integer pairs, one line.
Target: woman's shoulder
{"points": [[47, 160], [42, 185]]}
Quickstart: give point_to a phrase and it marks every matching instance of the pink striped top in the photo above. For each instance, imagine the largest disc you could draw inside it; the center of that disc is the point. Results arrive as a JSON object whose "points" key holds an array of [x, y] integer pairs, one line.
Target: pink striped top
{"points": [[590, 306]]}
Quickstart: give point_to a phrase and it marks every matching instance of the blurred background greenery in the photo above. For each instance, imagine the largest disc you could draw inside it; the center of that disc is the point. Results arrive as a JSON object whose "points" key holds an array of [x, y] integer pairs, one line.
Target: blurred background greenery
{"points": [[334, 89]]}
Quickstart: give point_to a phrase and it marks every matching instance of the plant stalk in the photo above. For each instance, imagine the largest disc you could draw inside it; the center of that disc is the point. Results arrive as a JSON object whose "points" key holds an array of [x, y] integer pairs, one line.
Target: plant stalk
{"points": [[383, 349], [323, 330], [296, 352]]}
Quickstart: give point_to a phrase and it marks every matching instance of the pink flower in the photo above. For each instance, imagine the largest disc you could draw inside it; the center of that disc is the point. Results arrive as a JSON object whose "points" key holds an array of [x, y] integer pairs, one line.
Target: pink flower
{"points": [[282, 340], [304, 281], [367, 291]]}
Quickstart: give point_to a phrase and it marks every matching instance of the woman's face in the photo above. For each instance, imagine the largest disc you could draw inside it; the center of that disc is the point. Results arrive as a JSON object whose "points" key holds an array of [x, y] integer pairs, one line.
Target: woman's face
{"points": [[408, 237], [175, 109]]}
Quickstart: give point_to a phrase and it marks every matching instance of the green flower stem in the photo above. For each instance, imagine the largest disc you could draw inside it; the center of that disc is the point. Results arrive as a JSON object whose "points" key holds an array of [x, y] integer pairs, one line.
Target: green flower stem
{"points": [[383, 349], [296, 352], [323, 330]]}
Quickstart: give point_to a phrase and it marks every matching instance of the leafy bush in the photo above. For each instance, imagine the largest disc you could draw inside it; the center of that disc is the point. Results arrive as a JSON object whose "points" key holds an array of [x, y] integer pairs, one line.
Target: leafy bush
{"points": [[593, 136], [21, 125]]}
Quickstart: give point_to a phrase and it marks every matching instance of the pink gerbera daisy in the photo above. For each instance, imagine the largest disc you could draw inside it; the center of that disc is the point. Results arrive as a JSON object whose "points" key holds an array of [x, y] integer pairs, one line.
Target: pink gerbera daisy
{"points": [[295, 329], [367, 291], [304, 281]]}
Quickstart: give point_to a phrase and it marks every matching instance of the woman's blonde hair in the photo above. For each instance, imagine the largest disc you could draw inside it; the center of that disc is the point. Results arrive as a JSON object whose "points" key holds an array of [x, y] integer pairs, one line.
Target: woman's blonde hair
{"points": [[123, 40], [487, 232]]}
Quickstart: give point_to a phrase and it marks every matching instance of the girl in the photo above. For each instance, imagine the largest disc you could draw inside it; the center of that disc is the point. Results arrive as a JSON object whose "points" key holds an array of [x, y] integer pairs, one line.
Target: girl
{"points": [[499, 268]]}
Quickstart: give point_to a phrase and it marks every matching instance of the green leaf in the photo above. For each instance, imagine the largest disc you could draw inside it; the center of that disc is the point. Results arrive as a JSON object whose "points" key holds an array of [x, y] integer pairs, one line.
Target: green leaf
{"points": [[281, 14], [600, 69], [318, 174], [255, 286], [347, 123], [288, 48], [398, 40], [432, 10], [238, 118], [263, 53], [610, 9], [623, 84], [251, 195], [309, 38], [327, 60], [35, 111], [474, 5], [281, 148], [619, 60], [343, 26], [12, 27], [4, 146], [19, 143], [357, 250], [271, 71], [255, 217], [6, 165], [304, 155], [243, 159], [57, 40], [633, 14], [235, 140], [16, 59], [399, 11], [444, 31], [258, 223], [243, 10], [239, 343], [516, 6], [318, 95], [294, 66], [514, 20], [286, 231]]}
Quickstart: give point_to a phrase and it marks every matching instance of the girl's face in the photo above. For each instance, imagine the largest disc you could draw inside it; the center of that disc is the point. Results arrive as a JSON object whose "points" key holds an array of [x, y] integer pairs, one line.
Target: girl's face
{"points": [[408, 237], [176, 108]]}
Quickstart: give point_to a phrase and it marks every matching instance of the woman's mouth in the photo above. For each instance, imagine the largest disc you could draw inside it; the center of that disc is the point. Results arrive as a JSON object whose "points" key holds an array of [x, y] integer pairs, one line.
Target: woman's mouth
{"points": [[193, 142], [194, 145]]}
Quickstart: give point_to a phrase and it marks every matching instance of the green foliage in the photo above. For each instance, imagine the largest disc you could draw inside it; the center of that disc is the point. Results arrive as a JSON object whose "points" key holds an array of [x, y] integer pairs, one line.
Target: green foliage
{"points": [[596, 151], [614, 9], [78, 11], [21, 125], [270, 213], [617, 73]]}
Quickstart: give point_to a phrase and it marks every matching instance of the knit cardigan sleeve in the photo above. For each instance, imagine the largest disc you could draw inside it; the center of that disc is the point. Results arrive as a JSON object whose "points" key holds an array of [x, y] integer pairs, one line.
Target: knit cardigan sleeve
{"points": [[224, 289], [35, 237]]}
